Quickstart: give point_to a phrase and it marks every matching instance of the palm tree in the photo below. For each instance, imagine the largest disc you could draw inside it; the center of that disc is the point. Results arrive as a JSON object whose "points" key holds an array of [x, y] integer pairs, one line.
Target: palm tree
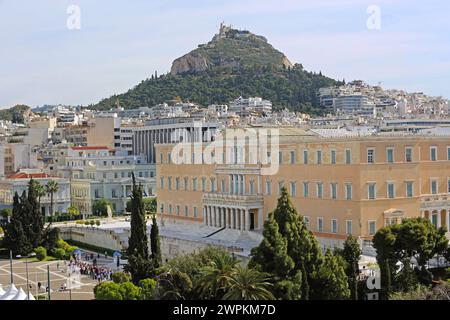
{"points": [[214, 276], [247, 284], [41, 191], [51, 188]]}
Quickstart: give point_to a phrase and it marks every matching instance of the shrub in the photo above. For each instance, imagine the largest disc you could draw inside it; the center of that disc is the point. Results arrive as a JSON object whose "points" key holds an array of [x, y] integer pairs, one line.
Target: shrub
{"points": [[148, 289], [108, 291], [92, 222], [120, 277], [79, 222], [87, 222], [60, 253], [41, 253], [130, 291], [1, 230], [97, 223]]}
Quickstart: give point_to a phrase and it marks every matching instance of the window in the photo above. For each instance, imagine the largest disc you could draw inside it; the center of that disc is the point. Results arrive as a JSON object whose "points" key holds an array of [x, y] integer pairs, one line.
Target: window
{"points": [[160, 158], [178, 210], [161, 182], [433, 153], [305, 156], [177, 183], [371, 191], [194, 184], [370, 155], [390, 190], [169, 158], [292, 157], [268, 188], [213, 184], [390, 155], [222, 186], [186, 211], [203, 184], [305, 189], [252, 186], [448, 185], [319, 190], [293, 189], [186, 181], [333, 156], [448, 153], [348, 156], [170, 183], [334, 226], [348, 227], [348, 191], [333, 190], [434, 186], [408, 154], [372, 227], [195, 212], [319, 157], [280, 157], [320, 224], [409, 189], [113, 193], [170, 209]]}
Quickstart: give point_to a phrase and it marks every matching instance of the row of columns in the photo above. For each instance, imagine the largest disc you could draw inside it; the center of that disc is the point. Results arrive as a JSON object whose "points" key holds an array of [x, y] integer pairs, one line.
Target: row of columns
{"points": [[440, 221], [224, 217]]}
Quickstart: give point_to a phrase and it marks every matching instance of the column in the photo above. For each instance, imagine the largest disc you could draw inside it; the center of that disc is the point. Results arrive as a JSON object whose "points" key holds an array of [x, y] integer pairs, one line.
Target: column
{"points": [[223, 213], [247, 220], [216, 224], [448, 220], [241, 219], [260, 219], [209, 216], [205, 216], [439, 219]]}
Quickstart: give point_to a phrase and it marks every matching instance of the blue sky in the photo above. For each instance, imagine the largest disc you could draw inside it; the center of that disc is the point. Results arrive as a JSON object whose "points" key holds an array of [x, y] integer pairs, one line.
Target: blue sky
{"points": [[123, 42]]}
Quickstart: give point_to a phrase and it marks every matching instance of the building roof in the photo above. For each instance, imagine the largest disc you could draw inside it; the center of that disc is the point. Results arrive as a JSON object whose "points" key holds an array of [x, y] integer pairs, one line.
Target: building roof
{"points": [[24, 175], [90, 148]]}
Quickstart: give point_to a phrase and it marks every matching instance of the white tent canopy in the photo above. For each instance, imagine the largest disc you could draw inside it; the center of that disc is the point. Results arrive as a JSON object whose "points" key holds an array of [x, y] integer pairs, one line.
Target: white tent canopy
{"points": [[12, 293]]}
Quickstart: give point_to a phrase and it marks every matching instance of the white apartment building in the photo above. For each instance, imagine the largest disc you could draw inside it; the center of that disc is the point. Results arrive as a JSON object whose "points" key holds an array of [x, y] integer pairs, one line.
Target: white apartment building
{"points": [[18, 182], [244, 107], [101, 173]]}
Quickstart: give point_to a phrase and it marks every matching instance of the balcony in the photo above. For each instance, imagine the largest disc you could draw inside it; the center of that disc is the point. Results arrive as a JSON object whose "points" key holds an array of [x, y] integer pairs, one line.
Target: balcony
{"points": [[233, 200], [435, 201]]}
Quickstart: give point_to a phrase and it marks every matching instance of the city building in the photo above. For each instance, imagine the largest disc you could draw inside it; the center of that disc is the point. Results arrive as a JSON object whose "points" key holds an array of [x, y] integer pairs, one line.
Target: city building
{"points": [[341, 182], [18, 182]]}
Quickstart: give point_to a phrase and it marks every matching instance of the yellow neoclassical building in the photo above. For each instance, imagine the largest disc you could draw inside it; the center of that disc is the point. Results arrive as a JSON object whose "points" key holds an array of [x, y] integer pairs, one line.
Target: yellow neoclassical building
{"points": [[342, 183]]}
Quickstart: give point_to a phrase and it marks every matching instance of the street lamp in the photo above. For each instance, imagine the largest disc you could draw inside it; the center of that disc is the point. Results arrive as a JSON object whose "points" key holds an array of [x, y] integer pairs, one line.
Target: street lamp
{"points": [[26, 268]]}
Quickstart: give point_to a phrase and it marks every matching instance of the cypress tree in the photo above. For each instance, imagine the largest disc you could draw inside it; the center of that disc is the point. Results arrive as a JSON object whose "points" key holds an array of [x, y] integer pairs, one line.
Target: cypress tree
{"points": [[139, 265], [302, 246], [34, 215], [15, 238], [155, 245], [351, 253], [138, 242]]}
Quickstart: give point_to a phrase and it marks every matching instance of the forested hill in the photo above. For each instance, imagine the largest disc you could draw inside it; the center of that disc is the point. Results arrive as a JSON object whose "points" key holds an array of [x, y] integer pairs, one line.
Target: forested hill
{"points": [[234, 63]]}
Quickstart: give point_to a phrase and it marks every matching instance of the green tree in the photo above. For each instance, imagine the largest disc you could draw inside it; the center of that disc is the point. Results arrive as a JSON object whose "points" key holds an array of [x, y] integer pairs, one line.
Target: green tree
{"points": [[15, 238], [100, 207], [52, 187], [148, 289], [139, 265], [108, 291], [41, 191], [247, 284], [41, 253], [174, 285], [215, 275], [130, 291], [155, 244], [6, 213], [120, 277], [351, 254], [60, 253], [302, 246], [73, 211], [331, 280]]}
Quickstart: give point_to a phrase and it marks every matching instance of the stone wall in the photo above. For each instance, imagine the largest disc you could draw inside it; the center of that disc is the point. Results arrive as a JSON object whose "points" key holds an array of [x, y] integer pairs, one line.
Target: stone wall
{"points": [[93, 236]]}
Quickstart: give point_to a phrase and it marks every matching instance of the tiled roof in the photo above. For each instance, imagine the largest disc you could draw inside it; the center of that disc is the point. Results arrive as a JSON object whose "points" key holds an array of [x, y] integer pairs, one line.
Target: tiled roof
{"points": [[89, 148], [24, 175]]}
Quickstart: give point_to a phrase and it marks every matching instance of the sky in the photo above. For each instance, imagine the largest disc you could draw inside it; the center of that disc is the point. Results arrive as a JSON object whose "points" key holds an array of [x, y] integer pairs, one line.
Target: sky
{"points": [[402, 44]]}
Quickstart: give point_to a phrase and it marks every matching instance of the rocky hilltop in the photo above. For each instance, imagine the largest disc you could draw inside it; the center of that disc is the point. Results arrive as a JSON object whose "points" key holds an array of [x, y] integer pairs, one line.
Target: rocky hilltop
{"points": [[234, 63], [231, 48]]}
